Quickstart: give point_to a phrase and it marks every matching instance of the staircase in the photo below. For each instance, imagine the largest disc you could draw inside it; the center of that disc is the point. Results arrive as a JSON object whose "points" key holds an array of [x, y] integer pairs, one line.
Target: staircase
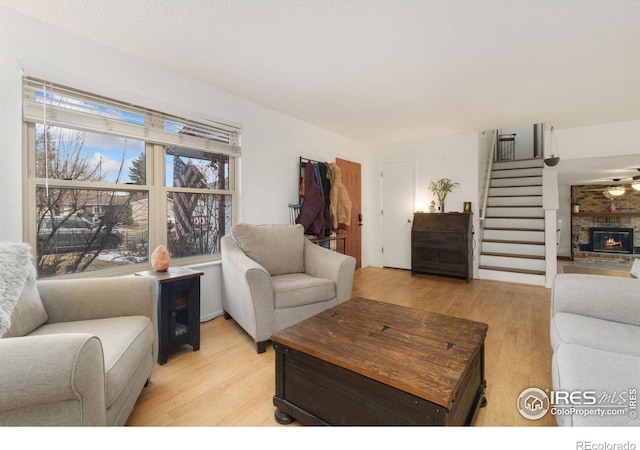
{"points": [[513, 240]]}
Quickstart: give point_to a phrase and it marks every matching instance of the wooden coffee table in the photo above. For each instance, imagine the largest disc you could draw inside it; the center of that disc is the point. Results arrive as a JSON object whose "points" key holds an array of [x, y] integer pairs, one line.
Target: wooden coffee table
{"points": [[366, 362]]}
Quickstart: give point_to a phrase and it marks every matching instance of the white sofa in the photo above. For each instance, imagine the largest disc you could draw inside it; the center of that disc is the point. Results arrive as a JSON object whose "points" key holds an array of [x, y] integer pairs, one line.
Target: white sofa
{"points": [[273, 277], [595, 337], [76, 352]]}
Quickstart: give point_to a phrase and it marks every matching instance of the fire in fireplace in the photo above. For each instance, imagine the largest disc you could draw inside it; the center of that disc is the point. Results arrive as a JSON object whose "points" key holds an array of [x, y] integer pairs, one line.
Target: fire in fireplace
{"points": [[612, 240]]}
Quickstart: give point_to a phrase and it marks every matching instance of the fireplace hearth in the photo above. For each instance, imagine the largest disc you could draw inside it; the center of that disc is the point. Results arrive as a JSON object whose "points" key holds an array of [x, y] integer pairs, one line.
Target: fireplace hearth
{"points": [[612, 240]]}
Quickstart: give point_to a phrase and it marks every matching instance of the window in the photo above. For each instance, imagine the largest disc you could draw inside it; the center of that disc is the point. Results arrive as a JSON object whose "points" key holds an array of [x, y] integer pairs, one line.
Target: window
{"points": [[108, 182]]}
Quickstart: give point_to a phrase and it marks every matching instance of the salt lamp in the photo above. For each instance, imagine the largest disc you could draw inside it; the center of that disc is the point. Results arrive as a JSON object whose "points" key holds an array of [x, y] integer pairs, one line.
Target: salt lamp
{"points": [[160, 258]]}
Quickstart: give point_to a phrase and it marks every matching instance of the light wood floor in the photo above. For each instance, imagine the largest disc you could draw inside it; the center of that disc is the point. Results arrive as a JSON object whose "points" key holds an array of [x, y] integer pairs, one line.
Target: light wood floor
{"points": [[226, 383]]}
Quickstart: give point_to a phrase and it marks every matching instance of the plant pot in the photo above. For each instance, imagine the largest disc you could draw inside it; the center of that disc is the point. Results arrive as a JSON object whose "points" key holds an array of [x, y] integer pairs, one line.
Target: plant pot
{"points": [[441, 207]]}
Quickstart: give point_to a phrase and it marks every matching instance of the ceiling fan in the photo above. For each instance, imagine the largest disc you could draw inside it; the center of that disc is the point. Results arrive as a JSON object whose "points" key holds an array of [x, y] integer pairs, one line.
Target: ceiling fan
{"points": [[617, 188]]}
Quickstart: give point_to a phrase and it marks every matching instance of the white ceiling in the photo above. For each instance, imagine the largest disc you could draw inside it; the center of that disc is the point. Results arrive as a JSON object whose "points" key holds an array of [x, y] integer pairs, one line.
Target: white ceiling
{"points": [[382, 71]]}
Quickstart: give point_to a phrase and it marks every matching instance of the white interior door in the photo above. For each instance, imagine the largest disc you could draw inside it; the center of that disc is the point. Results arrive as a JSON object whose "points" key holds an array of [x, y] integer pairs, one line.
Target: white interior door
{"points": [[398, 189]]}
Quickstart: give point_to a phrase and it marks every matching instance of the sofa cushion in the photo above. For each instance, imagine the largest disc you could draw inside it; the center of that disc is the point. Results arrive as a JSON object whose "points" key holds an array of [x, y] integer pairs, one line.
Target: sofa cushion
{"points": [[299, 289], [277, 248], [578, 368], [126, 342], [596, 333], [596, 295], [28, 313]]}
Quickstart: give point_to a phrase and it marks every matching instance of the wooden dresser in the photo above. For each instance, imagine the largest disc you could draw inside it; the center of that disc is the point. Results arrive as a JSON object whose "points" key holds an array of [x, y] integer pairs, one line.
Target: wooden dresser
{"points": [[442, 244]]}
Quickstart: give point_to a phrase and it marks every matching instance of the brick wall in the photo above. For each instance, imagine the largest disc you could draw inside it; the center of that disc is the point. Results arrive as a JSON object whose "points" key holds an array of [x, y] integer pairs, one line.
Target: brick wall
{"points": [[596, 206]]}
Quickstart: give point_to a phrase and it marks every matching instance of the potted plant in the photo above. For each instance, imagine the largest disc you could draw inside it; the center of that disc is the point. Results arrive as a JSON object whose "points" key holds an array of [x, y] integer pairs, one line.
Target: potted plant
{"points": [[441, 187]]}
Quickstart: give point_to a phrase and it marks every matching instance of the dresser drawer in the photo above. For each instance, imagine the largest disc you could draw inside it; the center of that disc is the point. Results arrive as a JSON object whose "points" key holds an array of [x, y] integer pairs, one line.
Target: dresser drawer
{"points": [[435, 236]]}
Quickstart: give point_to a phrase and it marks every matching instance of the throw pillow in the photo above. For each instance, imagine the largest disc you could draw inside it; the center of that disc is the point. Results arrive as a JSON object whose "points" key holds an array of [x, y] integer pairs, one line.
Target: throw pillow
{"points": [[277, 248], [21, 309]]}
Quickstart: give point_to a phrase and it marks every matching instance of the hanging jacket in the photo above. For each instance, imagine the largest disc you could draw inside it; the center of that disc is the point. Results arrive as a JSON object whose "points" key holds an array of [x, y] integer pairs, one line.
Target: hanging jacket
{"points": [[312, 216], [340, 201]]}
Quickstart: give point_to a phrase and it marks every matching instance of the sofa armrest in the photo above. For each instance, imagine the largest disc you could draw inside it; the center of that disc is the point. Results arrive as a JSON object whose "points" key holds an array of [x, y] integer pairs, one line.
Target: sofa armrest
{"points": [[247, 292], [98, 298], [52, 380], [323, 263], [603, 297]]}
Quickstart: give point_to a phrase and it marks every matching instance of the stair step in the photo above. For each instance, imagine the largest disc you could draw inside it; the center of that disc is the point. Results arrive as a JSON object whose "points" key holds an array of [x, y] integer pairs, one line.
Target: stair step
{"points": [[513, 261], [511, 191], [515, 206], [513, 229], [503, 276], [515, 222], [515, 195], [513, 182], [513, 255], [505, 169], [501, 247], [517, 164], [505, 241], [522, 201], [510, 234], [517, 173], [508, 211], [514, 217], [511, 269]]}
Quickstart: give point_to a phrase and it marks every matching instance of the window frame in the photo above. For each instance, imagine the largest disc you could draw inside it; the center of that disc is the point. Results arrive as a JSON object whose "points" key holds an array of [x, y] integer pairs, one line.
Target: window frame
{"points": [[155, 186]]}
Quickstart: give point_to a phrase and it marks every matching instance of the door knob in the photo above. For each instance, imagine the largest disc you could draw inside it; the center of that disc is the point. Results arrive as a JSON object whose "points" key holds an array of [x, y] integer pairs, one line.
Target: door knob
{"points": [[408, 220]]}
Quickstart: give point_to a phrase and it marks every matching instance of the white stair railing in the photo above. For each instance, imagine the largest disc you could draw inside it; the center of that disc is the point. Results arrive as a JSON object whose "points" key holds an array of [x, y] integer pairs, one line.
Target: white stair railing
{"points": [[487, 186]]}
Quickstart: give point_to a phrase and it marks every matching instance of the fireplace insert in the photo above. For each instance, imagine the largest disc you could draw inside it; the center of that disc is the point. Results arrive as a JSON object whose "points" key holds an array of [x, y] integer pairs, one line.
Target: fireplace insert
{"points": [[612, 240]]}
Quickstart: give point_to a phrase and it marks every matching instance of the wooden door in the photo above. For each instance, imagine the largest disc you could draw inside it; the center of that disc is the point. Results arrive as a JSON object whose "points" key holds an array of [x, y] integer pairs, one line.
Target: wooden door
{"points": [[351, 178]]}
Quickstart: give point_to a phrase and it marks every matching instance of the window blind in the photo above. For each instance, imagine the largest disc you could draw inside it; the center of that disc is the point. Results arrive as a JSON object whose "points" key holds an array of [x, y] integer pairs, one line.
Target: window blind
{"points": [[68, 107]]}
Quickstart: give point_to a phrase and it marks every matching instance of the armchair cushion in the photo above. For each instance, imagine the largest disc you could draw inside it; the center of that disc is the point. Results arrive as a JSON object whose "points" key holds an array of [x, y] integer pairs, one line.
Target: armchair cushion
{"points": [[297, 289], [277, 248]]}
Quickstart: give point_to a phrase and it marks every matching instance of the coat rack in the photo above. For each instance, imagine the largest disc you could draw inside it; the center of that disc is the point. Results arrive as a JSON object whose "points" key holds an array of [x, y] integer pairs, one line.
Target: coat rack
{"points": [[294, 210]]}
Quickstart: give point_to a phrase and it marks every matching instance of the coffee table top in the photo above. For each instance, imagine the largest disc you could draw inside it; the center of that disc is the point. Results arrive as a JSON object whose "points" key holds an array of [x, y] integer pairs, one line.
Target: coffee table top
{"points": [[419, 352]]}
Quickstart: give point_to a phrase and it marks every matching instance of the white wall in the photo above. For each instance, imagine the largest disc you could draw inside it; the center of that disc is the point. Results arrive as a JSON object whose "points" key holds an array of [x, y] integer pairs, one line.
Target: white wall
{"points": [[454, 156], [608, 139], [271, 142]]}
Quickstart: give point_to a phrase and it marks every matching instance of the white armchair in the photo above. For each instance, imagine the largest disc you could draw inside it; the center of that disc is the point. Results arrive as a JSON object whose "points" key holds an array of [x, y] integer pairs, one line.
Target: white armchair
{"points": [[273, 277]]}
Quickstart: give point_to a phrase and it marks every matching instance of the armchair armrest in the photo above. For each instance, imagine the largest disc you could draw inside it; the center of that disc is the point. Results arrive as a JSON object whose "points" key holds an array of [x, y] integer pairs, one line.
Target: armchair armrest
{"points": [[323, 263], [52, 380], [247, 292], [98, 298], [604, 297]]}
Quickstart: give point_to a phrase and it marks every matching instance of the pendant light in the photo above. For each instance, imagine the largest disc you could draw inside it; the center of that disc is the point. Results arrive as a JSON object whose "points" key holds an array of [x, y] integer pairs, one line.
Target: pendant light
{"points": [[616, 191], [636, 182], [553, 158]]}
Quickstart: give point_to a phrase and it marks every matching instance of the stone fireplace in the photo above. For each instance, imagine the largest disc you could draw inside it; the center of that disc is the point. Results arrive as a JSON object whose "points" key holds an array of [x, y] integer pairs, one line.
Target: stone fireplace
{"points": [[600, 234], [611, 240]]}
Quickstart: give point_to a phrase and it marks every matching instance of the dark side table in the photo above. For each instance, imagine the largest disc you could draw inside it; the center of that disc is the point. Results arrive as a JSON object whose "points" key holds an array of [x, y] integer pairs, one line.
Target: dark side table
{"points": [[178, 309]]}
